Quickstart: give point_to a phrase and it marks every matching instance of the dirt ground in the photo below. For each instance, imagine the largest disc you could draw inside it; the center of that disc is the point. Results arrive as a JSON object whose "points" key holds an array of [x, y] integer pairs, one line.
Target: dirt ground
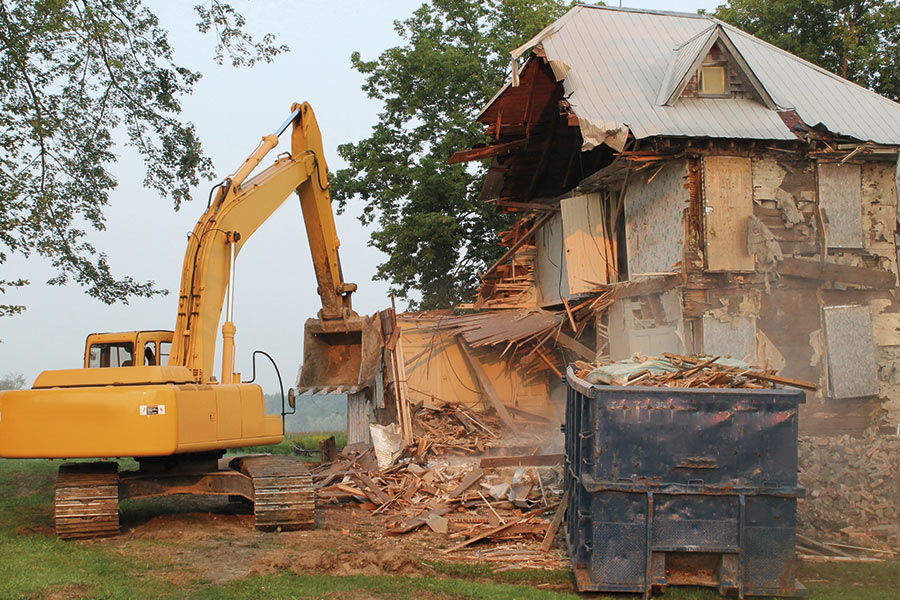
{"points": [[214, 541]]}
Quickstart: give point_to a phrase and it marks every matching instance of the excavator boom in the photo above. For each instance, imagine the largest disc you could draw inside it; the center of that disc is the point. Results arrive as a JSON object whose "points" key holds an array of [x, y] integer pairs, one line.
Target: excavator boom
{"points": [[236, 210]]}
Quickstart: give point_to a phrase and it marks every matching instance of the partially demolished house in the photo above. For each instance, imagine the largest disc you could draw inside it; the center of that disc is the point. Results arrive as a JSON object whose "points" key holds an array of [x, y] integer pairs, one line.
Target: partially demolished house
{"points": [[684, 187]]}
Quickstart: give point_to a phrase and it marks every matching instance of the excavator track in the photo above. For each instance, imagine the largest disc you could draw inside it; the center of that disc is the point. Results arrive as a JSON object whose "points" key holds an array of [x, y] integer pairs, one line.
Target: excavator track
{"points": [[284, 495], [87, 500]]}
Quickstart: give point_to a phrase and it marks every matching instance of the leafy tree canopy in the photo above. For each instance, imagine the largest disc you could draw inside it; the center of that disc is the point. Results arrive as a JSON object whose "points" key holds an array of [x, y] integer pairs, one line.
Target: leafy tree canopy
{"points": [[856, 39], [429, 221], [12, 381], [73, 72]]}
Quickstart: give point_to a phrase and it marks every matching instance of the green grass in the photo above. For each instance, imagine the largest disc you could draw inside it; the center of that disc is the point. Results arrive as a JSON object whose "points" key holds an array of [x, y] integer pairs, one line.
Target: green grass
{"points": [[34, 564], [319, 586]]}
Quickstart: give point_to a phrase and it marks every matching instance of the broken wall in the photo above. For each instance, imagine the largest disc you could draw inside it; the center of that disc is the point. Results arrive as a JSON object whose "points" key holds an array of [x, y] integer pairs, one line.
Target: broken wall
{"points": [[437, 371], [767, 236]]}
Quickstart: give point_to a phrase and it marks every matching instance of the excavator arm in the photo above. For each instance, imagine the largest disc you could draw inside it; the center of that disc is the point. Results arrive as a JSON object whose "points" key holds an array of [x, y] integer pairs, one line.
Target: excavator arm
{"points": [[236, 210]]}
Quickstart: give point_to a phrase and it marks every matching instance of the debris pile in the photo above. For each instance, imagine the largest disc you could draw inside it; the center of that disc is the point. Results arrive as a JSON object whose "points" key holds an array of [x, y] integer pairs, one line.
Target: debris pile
{"points": [[852, 486], [674, 370], [444, 482]]}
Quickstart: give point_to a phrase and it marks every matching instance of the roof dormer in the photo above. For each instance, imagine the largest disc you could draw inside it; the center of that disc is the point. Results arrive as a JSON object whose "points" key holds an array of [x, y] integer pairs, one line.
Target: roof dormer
{"points": [[710, 66]]}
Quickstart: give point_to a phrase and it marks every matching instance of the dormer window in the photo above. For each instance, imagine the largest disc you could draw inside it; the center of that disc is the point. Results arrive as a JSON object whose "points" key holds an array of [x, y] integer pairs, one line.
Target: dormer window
{"points": [[712, 81]]}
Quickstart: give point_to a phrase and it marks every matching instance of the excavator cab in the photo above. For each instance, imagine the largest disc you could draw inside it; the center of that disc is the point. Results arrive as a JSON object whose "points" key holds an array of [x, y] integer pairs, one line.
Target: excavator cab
{"points": [[127, 349]]}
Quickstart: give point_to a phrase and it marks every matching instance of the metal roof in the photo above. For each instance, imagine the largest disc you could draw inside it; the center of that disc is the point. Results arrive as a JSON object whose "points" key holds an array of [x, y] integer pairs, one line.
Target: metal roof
{"points": [[620, 61]]}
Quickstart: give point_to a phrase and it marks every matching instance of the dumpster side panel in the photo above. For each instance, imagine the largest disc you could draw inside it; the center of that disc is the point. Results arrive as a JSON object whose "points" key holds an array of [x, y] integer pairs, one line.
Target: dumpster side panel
{"points": [[660, 478]]}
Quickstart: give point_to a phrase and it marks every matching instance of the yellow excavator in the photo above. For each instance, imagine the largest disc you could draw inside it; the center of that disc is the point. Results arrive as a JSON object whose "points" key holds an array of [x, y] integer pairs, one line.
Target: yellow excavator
{"points": [[171, 413]]}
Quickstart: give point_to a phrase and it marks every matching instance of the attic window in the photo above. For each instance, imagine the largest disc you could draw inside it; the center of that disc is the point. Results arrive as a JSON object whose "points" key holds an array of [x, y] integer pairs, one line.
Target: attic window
{"points": [[712, 80]]}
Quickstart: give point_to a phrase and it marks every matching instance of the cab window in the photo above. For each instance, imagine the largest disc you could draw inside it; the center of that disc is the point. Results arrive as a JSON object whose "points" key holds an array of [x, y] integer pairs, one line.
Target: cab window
{"points": [[119, 354], [150, 354], [164, 349]]}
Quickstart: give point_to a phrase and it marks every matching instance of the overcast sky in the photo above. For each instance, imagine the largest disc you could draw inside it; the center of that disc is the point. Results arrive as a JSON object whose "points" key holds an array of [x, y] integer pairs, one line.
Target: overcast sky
{"points": [[232, 109]]}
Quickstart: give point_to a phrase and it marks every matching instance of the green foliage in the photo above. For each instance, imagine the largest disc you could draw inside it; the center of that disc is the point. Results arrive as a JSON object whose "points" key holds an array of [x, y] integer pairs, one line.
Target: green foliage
{"points": [[12, 381], [856, 39], [429, 222], [309, 441], [73, 74]]}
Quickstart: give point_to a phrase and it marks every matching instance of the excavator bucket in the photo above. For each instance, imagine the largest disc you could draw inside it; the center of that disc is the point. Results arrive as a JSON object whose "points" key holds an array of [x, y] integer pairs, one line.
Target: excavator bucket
{"points": [[340, 355]]}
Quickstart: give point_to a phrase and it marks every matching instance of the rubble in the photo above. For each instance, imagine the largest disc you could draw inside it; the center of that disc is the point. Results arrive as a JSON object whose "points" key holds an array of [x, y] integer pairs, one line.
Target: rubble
{"points": [[440, 484], [852, 486], [674, 370]]}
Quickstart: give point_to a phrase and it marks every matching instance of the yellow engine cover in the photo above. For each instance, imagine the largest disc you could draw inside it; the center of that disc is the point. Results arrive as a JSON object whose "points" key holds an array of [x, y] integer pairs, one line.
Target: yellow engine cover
{"points": [[107, 413]]}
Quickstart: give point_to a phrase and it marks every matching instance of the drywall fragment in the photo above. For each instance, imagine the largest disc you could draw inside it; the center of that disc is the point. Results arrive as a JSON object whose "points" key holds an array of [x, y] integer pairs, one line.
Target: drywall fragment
{"points": [[816, 343], [437, 523], [595, 134], [790, 214], [762, 244], [767, 354], [387, 443]]}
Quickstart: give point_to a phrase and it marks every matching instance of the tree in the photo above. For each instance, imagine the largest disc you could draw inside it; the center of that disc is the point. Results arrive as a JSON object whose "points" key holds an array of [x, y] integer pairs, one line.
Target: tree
{"points": [[12, 381], [72, 74], [856, 39], [428, 218]]}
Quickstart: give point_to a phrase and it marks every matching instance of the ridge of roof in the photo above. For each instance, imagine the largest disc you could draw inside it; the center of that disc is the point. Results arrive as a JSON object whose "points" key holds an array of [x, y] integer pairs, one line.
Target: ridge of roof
{"points": [[649, 11]]}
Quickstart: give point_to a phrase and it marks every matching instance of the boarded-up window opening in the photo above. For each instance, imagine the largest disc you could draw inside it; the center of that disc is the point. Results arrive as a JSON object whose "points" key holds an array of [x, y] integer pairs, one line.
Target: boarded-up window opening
{"points": [[551, 274], [654, 206], [587, 248], [728, 204], [735, 338], [840, 195], [852, 370]]}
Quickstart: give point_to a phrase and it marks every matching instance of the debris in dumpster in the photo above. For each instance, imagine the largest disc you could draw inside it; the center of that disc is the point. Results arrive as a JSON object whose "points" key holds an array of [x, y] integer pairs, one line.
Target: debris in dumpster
{"points": [[675, 370]]}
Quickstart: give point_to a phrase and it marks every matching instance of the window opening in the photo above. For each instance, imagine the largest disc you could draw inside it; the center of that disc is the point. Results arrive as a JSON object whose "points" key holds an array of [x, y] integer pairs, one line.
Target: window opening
{"points": [[164, 349], [712, 80], [120, 354], [150, 354]]}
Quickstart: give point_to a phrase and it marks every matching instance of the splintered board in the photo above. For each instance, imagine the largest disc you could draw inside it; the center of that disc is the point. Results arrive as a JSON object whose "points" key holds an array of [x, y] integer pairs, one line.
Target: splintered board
{"points": [[585, 242], [728, 204], [840, 195]]}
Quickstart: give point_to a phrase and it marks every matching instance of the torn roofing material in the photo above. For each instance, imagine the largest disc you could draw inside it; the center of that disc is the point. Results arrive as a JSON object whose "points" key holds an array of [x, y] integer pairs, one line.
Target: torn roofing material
{"points": [[619, 62]]}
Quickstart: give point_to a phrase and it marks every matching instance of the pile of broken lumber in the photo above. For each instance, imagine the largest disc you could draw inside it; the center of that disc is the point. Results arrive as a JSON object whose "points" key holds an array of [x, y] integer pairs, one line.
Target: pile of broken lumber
{"points": [[452, 430], [852, 485], [675, 370], [441, 485]]}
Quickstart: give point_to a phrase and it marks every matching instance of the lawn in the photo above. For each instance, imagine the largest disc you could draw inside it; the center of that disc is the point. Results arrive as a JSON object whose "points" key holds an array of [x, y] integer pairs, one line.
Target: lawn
{"points": [[34, 564]]}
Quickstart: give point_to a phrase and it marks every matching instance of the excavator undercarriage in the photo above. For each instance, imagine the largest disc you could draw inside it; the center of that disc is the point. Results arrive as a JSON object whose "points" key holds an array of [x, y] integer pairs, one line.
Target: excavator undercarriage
{"points": [[280, 489]]}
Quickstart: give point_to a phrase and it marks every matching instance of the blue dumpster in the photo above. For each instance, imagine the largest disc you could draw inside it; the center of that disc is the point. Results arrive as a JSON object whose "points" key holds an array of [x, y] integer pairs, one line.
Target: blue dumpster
{"points": [[682, 486]]}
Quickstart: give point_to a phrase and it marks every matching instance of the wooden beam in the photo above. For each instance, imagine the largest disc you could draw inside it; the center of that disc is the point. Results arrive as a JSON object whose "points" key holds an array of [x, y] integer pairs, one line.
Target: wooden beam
{"points": [[486, 151], [487, 386], [575, 346], [835, 273], [547, 542]]}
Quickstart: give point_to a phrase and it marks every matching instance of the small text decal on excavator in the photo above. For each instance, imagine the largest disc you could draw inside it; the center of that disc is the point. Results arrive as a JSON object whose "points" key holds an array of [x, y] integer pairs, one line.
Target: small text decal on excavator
{"points": [[153, 410]]}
